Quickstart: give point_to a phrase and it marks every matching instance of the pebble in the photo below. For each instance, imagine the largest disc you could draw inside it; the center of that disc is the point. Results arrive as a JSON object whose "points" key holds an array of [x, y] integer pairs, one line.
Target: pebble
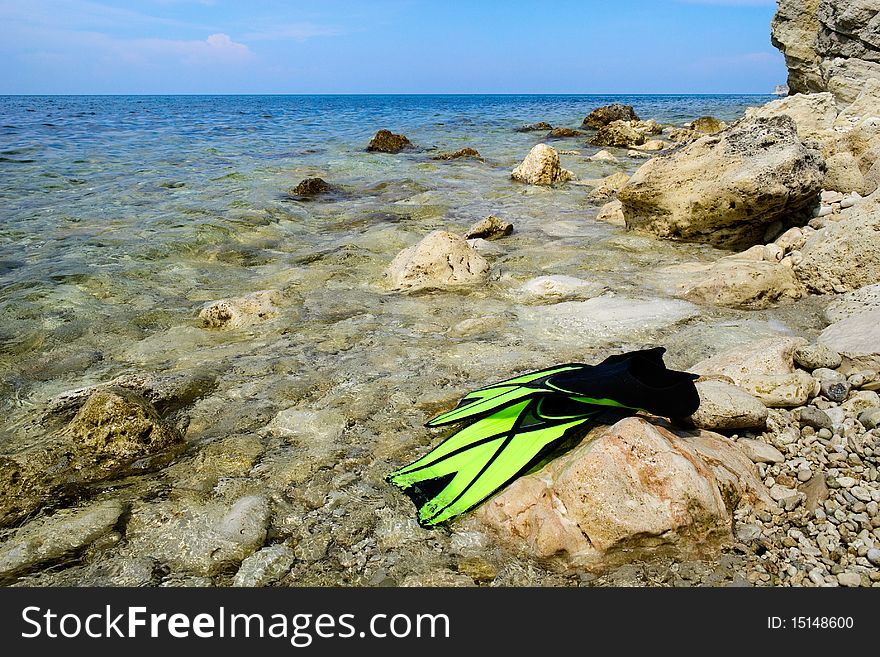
{"points": [[849, 579], [833, 385], [813, 417], [804, 474], [860, 493], [760, 452], [815, 356], [870, 418], [873, 555]]}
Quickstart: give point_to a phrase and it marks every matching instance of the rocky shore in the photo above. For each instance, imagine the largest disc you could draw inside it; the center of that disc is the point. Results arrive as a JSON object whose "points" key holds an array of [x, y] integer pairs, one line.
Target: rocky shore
{"points": [[775, 481]]}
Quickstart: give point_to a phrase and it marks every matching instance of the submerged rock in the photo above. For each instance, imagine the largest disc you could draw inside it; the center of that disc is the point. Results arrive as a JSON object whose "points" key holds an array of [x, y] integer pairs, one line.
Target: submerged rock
{"points": [[602, 116], [541, 167], [310, 187], [440, 260], [554, 288], [612, 213], [241, 311], [116, 433], [56, 537], [562, 133], [629, 488], [618, 133], [490, 228], [726, 189], [534, 127], [387, 142], [459, 154], [265, 566], [739, 282], [608, 186]]}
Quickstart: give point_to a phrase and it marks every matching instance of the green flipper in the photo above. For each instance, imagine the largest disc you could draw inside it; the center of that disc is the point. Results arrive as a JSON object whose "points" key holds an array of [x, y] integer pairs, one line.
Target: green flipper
{"points": [[517, 422]]}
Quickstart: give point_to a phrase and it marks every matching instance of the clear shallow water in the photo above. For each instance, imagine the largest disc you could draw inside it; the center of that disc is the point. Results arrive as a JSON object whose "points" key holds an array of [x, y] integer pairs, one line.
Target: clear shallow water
{"points": [[121, 216]]}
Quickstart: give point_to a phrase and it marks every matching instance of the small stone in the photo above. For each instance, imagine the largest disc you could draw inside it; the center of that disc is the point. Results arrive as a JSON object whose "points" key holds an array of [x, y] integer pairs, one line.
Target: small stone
{"points": [[873, 555], [846, 482], [849, 579], [834, 385], [870, 418], [804, 474], [746, 532], [860, 493], [813, 417], [815, 356], [490, 228], [779, 492], [478, 569], [824, 434], [760, 452]]}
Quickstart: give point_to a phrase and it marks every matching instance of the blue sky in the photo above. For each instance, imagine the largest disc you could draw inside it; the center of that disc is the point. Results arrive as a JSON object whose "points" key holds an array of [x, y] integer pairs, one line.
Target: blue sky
{"points": [[387, 46]]}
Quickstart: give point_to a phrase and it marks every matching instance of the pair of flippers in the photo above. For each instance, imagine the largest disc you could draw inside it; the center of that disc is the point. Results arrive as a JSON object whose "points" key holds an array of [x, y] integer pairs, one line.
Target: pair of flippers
{"points": [[517, 422]]}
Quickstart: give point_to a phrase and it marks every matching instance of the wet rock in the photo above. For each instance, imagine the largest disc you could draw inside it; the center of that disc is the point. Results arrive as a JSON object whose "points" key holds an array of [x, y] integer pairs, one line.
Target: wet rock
{"points": [[725, 406], [387, 142], [241, 311], [814, 356], [708, 125], [56, 537], [631, 486], [490, 228], [608, 187], [618, 133], [541, 167], [612, 213], [759, 452], [311, 187], [459, 154], [534, 127], [842, 256], [813, 417], [602, 116], [725, 189], [853, 303], [440, 260], [857, 340], [204, 539], [265, 566], [765, 369], [562, 133], [557, 287]]}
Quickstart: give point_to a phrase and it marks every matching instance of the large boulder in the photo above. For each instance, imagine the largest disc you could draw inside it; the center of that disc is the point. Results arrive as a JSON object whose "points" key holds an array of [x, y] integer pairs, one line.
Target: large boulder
{"points": [[386, 141], [602, 116], [829, 45], [813, 114], [541, 167], [724, 406], [844, 255], [725, 189], [440, 260], [628, 491], [857, 339], [738, 282], [619, 133]]}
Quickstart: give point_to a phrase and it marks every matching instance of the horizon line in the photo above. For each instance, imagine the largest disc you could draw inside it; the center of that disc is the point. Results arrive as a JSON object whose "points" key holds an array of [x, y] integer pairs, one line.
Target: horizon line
{"points": [[439, 93]]}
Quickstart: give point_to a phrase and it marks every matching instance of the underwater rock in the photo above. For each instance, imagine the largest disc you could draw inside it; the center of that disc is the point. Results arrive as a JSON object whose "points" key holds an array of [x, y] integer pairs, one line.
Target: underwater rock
{"points": [[602, 116], [562, 133], [725, 189], [56, 537], [541, 167], [612, 213], [558, 287], [457, 155], [265, 566], [630, 488], [241, 311], [440, 260], [387, 142], [608, 187], [739, 282], [490, 228]]}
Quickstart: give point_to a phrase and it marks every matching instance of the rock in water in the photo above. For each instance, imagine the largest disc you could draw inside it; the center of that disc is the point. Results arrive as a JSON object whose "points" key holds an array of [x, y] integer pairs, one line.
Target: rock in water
{"points": [[459, 154], [608, 186], [440, 260], [310, 187], [387, 142], [725, 189], [739, 282], [534, 127], [612, 213], [57, 536], [562, 133], [629, 487], [490, 228], [265, 566], [556, 288], [602, 116], [241, 311], [618, 133], [541, 167], [708, 125]]}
